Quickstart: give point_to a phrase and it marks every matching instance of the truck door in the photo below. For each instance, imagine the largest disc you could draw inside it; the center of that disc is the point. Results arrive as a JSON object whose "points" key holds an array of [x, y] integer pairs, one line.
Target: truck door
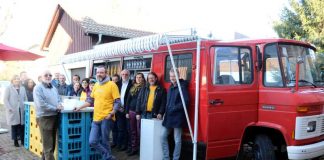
{"points": [[232, 98]]}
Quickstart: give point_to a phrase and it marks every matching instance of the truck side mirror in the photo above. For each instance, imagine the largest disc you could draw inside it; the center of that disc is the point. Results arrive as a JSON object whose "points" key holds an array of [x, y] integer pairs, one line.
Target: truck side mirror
{"points": [[259, 58]]}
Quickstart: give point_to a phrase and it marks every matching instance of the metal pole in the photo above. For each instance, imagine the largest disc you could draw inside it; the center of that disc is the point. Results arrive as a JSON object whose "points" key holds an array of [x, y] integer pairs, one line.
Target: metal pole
{"points": [[67, 76], [178, 83], [194, 157]]}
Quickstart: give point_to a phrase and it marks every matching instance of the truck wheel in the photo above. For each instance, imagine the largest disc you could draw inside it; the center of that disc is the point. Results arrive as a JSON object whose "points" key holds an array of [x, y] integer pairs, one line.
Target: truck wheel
{"points": [[263, 148]]}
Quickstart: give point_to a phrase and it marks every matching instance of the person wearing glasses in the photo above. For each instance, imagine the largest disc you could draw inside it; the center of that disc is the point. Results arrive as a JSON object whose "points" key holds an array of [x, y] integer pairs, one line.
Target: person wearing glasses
{"points": [[47, 105], [106, 99], [14, 98]]}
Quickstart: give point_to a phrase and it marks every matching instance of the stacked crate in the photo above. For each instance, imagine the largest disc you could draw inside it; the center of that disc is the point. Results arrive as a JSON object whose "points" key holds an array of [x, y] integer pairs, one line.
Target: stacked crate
{"points": [[27, 123], [35, 140], [72, 136]]}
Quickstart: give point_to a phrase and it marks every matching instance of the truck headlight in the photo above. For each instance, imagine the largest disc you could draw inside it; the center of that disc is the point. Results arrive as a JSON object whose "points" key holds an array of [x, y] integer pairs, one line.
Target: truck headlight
{"points": [[311, 127]]}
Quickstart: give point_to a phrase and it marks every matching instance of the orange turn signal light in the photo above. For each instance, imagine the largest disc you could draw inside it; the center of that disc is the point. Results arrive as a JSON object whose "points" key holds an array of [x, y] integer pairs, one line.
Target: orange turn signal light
{"points": [[302, 109]]}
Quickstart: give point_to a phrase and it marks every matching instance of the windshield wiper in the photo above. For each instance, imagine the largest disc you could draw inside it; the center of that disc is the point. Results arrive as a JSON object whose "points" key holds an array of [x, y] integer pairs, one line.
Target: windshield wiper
{"points": [[302, 80]]}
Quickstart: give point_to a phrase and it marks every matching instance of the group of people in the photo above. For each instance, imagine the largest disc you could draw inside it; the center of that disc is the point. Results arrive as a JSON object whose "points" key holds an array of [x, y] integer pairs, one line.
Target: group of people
{"points": [[127, 102], [76, 88], [119, 105], [19, 91]]}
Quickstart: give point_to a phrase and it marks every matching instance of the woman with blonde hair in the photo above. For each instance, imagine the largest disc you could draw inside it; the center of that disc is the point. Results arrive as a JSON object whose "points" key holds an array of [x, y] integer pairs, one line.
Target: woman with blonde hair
{"points": [[14, 98]]}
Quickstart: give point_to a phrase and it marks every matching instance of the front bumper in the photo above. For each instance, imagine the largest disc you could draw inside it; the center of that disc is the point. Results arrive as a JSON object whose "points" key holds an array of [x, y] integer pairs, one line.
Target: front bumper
{"points": [[306, 151]]}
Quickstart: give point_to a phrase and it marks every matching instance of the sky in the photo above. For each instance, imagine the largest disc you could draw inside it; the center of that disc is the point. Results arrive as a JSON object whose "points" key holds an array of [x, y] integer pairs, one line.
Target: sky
{"points": [[254, 18]]}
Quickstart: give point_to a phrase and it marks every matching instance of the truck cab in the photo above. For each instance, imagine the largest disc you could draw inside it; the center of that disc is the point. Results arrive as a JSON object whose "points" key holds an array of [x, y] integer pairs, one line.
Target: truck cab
{"points": [[249, 104], [254, 108]]}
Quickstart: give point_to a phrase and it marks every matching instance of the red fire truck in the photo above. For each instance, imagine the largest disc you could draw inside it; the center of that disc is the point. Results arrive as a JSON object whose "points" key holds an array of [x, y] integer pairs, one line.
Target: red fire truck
{"points": [[250, 99]]}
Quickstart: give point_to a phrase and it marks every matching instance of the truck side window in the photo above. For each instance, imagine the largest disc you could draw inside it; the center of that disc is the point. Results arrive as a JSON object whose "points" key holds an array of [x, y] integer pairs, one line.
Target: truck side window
{"points": [[184, 64], [232, 65], [272, 72]]}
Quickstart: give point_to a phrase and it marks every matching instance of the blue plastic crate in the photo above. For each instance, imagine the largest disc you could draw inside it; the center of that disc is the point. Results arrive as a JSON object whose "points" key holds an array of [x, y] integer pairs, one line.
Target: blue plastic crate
{"points": [[27, 129], [94, 156], [74, 156], [72, 125], [69, 132], [70, 118], [71, 147]]}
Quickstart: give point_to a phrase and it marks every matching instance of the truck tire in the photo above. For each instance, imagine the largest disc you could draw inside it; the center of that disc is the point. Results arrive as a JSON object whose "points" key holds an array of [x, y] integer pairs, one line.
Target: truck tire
{"points": [[263, 148]]}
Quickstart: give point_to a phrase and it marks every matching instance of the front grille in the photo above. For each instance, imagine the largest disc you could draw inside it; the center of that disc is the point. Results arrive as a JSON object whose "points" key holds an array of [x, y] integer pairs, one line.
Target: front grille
{"points": [[302, 125]]}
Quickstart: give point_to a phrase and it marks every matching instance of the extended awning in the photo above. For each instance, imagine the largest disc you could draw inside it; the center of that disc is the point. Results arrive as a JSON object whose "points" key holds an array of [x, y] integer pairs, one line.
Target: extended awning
{"points": [[126, 47]]}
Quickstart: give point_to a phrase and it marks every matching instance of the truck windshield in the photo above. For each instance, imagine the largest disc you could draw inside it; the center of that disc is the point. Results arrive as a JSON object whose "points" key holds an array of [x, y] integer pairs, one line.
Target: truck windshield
{"points": [[277, 75]]}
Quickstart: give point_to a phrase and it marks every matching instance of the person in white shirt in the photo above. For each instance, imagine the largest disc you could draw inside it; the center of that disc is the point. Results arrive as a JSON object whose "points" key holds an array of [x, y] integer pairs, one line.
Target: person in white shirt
{"points": [[124, 86]]}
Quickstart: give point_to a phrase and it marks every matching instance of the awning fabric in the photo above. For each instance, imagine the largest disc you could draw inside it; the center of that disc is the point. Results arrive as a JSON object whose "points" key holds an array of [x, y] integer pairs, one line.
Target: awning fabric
{"points": [[126, 47]]}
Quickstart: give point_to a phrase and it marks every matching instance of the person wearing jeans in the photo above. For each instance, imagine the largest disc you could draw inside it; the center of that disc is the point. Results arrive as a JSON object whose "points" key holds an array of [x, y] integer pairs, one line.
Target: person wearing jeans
{"points": [[106, 99], [101, 128], [174, 117]]}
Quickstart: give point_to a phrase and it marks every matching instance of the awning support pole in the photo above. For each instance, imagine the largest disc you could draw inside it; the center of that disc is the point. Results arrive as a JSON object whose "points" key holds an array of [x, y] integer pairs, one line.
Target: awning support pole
{"points": [[178, 83], [194, 157]]}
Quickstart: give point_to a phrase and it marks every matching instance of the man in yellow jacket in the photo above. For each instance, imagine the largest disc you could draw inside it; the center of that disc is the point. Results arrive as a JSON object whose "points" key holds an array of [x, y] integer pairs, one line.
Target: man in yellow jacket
{"points": [[106, 99]]}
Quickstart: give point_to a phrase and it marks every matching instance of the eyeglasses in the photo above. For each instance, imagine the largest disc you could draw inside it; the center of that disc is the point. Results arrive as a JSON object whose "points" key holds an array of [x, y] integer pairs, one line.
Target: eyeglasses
{"points": [[84, 82], [47, 75]]}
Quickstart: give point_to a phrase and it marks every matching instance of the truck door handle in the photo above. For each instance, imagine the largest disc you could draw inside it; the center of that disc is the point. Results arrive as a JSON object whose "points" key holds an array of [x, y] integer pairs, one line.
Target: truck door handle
{"points": [[216, 102]]}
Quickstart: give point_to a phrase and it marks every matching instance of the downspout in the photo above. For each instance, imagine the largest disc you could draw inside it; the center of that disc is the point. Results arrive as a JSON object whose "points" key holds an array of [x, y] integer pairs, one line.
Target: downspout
{"points": [[99, 39]]}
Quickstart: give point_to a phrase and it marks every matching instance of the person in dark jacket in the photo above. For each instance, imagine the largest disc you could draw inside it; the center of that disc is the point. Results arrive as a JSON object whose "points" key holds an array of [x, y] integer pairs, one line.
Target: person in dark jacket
{"points": [[131, 113], [77, 90], [124, 86], [151, 99], [174, 117], [62, 87], [29, 87]]}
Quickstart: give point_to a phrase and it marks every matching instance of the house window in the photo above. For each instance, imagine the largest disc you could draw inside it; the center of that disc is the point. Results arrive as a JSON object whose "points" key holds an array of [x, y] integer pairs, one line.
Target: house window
{"points": [[232, 65], [184, 64]]}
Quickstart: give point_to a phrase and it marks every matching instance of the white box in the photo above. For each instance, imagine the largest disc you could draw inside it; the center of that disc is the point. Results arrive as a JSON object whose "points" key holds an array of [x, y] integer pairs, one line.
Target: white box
{"points": [[70, 102], [151, 148]]}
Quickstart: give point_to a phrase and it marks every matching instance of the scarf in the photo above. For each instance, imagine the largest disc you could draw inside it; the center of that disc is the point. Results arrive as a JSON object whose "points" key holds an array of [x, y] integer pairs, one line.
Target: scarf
{"points": [[135, 88], [47, 85]]}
